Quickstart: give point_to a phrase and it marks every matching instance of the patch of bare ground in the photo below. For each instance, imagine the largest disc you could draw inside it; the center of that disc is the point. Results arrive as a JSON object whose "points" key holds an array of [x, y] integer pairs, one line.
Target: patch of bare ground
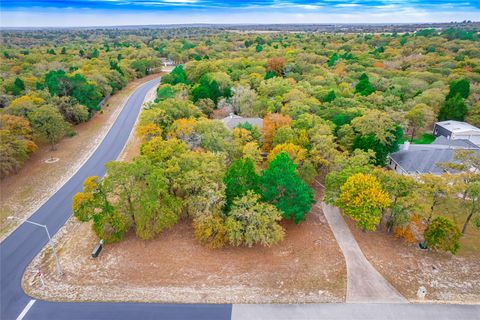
{"points": [[447, 278], [307, 267], [22, 193]]}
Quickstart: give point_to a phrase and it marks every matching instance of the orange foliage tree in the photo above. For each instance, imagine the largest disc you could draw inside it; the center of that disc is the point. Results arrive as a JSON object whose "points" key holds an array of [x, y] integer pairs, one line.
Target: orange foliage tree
{"points": [[271, 123], [276, 65]]}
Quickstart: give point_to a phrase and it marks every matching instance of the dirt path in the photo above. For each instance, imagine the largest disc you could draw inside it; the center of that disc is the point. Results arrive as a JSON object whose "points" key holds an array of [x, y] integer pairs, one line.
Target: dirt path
{"points": [[21, 194], [364, 282]]}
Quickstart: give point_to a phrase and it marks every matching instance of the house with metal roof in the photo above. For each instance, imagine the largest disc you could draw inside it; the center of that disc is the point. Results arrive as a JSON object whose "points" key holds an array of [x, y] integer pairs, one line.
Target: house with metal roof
{"points": [[413, 159], [233, 120], [454, 130]]}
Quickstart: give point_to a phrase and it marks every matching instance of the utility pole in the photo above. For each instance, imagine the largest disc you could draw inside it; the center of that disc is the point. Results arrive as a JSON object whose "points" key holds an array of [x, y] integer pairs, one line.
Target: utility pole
{"points": [[52, 244]]}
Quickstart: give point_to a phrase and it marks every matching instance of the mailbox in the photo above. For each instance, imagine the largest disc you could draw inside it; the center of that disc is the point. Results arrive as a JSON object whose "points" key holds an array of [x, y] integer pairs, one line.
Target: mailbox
{"points": [[97, 249]]}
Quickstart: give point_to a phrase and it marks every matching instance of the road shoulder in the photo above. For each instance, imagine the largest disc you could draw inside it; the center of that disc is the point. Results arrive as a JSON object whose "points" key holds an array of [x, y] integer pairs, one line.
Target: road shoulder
{"points": [[23, 193]]}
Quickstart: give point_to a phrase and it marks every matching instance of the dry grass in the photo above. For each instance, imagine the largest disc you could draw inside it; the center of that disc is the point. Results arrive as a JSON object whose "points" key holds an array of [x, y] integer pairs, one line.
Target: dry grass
{"points": [[447, 278], [307, 267]]}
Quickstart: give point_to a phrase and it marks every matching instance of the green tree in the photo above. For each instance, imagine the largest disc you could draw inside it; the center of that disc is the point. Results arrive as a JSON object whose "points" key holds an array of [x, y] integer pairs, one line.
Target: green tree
{"points": [[442, 234], [240, 178], [473, 204], [177, 75], [165, 91], [363, 199], [58, 83], [251, 221], [48, 123], [142, 193], [369, 142], [359, 162], [15, 88], [329, 97], [13, 152], [467, 180], [333, 58], [197, 178], [208, 88], [92, 204], [460, 87], [364, 87], [282, 187], [454, 108], [418, 117], [213, 136], [87, 94], [400, 188], [376, 131]]}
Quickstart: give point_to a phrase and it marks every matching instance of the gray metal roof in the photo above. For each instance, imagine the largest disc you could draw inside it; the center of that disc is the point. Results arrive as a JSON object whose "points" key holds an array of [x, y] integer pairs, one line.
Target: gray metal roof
{"points": [[418, 160], [422, 161], [456, 143], [233, 121]]}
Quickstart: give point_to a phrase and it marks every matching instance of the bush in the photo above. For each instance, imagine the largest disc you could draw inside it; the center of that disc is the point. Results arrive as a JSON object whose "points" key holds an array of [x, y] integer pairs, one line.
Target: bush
{"points": [[443, 235], [210, 230], [253, 222]]}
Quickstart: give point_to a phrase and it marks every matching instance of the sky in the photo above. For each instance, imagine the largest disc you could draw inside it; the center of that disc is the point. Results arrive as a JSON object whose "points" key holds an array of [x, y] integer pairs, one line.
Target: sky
{"points": [[70, 13]]}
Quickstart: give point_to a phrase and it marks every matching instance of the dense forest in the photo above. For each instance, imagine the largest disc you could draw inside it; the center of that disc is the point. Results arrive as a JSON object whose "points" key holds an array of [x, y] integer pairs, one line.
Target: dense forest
{"points": [[333, 105], [52, 81]]}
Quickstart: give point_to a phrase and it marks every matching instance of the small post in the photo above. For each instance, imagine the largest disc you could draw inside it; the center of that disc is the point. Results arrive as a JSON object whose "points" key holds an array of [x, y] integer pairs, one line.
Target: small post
{"points": [[40, 275], [96, 251]]}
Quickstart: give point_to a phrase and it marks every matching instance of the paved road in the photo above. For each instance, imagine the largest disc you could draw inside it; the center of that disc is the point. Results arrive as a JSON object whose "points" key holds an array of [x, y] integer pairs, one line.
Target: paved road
{"points": [[357, 311], [23, 244], [364, 282]]}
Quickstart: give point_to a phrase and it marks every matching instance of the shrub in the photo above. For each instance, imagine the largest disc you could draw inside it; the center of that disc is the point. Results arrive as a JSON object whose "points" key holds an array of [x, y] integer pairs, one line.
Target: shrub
{"points": [[443, 235]]}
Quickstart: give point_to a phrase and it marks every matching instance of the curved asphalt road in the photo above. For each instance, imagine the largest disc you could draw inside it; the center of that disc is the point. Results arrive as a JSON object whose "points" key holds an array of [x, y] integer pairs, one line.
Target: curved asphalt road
{"points": [[17, 250], [23, 244]]}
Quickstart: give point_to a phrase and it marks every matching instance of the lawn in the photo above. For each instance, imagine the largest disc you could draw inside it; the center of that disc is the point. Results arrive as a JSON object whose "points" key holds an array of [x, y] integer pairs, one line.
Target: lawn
{"points": [[426, 138]]}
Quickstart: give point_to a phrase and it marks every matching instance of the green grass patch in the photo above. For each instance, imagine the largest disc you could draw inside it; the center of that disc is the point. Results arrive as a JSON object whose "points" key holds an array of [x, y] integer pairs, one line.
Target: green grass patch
{"points": [[426, 138]]}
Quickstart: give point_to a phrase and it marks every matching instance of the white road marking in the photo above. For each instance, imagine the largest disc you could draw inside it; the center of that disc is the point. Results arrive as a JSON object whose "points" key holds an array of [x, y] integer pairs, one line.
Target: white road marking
{"points": [[25, 310]]}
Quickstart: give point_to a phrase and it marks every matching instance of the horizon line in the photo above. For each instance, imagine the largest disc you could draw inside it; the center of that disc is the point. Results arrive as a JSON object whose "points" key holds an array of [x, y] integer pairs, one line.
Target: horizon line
{"points": [[240, 24]]}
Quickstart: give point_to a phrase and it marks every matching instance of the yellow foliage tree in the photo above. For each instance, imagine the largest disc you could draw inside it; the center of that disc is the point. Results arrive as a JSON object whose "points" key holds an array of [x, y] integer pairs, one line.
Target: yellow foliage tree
{"points": [[296, 153], [148, 131], [182, 128], [362, 199], [252, 151]]}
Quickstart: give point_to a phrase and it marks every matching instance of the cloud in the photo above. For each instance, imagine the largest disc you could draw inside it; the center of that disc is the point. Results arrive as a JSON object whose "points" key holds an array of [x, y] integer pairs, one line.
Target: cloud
{"points": [[135, 12]]}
